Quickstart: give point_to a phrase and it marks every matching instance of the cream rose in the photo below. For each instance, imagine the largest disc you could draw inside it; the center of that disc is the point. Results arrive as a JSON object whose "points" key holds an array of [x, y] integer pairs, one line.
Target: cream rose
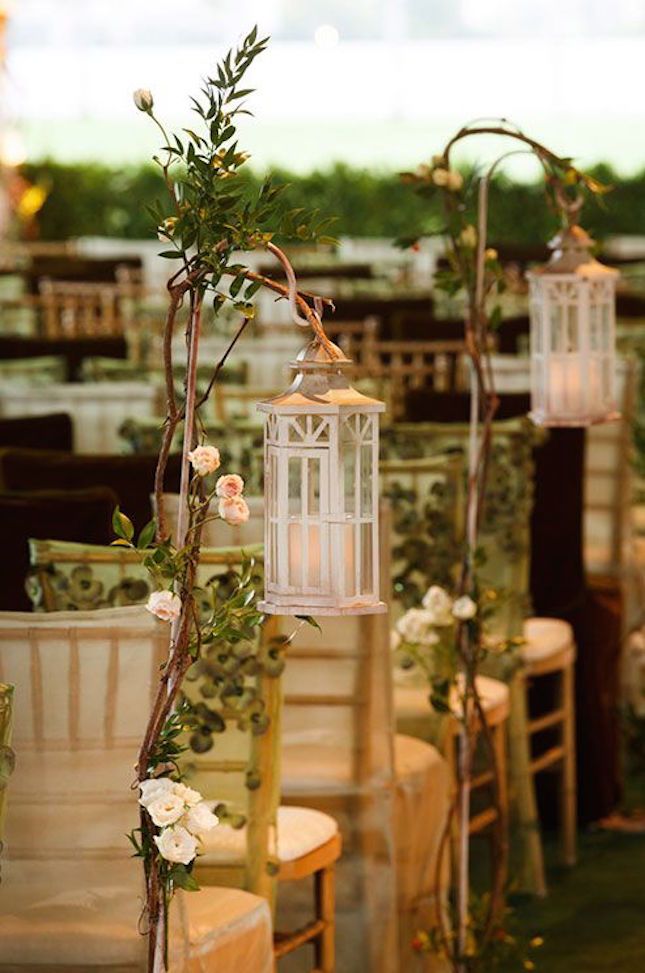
{"points": [[464, 608], [199, 819], [415, 627], [455, 180], [143, 99], [439, 603], [491, 254], [166, 809], [189, 796], [229, 486], [234, 510], [440, 177], [153, 789], [165, 605], [176, 845], [204, 459]]}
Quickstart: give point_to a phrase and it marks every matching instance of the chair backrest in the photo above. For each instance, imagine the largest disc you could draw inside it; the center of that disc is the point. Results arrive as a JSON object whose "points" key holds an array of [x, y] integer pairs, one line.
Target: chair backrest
{"points": [[353, 336], [234, 757], [404, 365], [7, 754], [337, 719], [505, 527], [427, 498], [83, 685], [84, 577], [73, 309]]}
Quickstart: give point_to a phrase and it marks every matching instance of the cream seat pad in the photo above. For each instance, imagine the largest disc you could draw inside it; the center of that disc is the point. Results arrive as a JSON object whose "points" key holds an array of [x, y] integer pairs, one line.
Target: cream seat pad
{"points": [[300, 831], [545, 637]]}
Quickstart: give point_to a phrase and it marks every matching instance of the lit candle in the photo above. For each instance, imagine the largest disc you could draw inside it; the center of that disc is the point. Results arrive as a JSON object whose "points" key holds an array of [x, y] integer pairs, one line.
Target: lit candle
{"points": [[306, 567]]}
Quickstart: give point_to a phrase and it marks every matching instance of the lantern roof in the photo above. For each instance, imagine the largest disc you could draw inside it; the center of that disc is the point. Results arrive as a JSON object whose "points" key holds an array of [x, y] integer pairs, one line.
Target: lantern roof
{"points": [[572, 255], [320, 381]]}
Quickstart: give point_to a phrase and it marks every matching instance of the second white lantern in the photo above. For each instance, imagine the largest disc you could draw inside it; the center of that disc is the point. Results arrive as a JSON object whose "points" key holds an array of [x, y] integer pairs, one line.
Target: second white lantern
{"points": [[572, 310]]}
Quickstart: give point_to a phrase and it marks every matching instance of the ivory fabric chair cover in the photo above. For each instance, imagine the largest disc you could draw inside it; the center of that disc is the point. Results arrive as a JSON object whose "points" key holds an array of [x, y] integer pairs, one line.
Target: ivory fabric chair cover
{"points": [[389, 794], [71, 893]]}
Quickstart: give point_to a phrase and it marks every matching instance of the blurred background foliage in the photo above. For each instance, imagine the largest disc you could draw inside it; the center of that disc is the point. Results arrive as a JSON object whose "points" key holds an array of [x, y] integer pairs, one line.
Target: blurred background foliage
{"points": [[90, 199]]}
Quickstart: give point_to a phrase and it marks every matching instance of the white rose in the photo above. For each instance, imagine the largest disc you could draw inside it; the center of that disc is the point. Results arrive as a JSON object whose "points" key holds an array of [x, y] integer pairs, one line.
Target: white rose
{"points": [[464, 608], [165, 605], [204, 459], [416, 627], [189, 796], [199, 819], [229, 486], [439, 603], [154, 788], [176, 845], [143, 99], [166, 810], [234, 510]]}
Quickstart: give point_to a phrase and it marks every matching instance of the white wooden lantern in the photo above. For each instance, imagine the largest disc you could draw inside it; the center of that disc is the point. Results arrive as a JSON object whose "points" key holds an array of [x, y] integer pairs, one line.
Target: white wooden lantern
{"points": [[572, 309], [321, 491]]}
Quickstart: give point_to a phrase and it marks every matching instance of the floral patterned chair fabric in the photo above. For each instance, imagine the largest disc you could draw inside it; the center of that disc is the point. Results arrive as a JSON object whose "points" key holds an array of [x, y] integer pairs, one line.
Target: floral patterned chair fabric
{"points": [[83, 577], [425, 517]]}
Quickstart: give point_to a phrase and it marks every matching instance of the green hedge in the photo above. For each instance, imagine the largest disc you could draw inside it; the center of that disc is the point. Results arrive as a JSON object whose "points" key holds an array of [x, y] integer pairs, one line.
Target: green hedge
{"points": [[91, 199]]}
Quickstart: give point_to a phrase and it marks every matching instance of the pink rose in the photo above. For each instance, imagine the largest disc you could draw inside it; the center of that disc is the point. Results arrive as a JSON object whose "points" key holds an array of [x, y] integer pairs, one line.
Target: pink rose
{"points": [[204, 459], [165, 605], [233, 510], [229, 486]]}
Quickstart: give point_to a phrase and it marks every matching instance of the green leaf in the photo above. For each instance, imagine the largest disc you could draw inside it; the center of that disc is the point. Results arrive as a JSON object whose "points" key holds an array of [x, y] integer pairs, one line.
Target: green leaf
{"points": [[183, 879], [171, 255], [236, 285], [310, 620], [439, 703], [147, 534], [122, 525]]}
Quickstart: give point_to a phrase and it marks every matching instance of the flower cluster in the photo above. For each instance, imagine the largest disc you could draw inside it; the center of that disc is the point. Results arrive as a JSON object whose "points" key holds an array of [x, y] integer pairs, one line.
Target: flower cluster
{"points": [[232, 507], [181, 814], [439, 611]]}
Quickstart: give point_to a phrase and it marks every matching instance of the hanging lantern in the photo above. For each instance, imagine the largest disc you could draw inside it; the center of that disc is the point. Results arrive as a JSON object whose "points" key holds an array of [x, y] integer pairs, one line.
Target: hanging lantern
{"points": [[572, 310], [321, 491]]}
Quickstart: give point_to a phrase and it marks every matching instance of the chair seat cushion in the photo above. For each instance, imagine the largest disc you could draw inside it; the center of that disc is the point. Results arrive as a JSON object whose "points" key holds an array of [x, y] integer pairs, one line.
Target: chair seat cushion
{"points": [[300, 831], [545, 637], [412, 702], [56, 914]]}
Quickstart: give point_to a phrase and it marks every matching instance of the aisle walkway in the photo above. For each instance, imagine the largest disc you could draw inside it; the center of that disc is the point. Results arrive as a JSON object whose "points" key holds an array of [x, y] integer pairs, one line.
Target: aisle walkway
{"points": [[593, 919]]}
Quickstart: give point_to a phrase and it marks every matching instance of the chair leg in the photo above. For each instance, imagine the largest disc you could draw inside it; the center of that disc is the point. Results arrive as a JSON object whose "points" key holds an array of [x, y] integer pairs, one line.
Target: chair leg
{"points": [[499, 744], [569, 809], [325, 944], [533, 872]]}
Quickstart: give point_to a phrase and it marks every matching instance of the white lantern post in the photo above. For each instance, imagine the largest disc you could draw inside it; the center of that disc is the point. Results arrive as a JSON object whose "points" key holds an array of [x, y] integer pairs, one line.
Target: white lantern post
{"points": [[572, 312], [321, 491]]}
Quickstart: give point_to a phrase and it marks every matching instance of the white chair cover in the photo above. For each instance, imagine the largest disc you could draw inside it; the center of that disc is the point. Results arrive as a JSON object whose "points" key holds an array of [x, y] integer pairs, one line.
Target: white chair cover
{"points": [[71, 892]]}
